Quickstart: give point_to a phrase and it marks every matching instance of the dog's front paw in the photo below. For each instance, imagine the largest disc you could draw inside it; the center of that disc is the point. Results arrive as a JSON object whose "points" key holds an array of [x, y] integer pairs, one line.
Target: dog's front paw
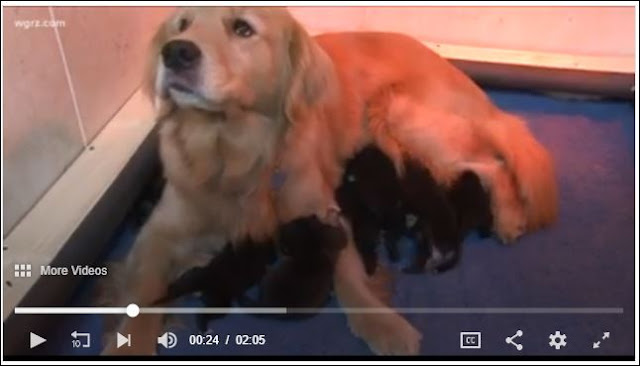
{"points": [[386, 333]]}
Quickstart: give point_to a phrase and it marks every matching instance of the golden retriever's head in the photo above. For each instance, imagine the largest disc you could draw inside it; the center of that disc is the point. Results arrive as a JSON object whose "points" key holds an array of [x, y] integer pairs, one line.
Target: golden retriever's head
{"points": [[218, 58]]}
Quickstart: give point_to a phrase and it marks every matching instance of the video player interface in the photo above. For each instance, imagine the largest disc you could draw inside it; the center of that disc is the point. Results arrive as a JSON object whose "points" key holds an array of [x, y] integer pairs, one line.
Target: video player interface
{"points": [[223, 183]]}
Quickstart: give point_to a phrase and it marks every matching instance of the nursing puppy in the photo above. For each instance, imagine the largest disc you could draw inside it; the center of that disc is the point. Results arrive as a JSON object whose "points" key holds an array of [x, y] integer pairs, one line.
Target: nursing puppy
{"points": [[224, 279], [301, 278], [376, 199], [471, 204], [256, 121]]}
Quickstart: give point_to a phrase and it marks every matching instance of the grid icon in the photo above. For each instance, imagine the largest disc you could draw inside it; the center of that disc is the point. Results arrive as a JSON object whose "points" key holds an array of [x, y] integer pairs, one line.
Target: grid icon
{"points": [[22, 270]]}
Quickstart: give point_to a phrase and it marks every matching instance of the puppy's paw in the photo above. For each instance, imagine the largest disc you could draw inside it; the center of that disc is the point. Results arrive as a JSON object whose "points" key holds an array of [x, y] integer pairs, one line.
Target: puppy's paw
{"points": [[439, 263], [386, 333], [332, 216]]}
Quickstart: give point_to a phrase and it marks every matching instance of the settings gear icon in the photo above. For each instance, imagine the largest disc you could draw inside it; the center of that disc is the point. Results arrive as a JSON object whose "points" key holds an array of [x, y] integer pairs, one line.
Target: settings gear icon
{"points": [[557, 340]]}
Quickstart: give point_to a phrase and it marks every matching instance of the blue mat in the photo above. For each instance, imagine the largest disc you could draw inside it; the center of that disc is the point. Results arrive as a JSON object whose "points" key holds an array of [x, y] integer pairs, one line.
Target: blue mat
{"points": [[586, 260]]}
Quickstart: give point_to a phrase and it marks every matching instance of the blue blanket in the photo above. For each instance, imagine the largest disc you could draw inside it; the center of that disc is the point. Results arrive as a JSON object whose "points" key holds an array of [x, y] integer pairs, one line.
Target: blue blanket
{"points": [[585, 261]]}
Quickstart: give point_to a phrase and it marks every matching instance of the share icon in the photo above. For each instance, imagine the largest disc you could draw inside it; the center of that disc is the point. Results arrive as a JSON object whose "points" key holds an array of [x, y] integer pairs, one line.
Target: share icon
{"points": [[509, 340]]}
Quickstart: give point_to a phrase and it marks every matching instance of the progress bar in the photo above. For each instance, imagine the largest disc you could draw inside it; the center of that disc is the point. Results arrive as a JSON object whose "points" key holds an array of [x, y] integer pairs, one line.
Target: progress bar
{"points": [[282, 310]]}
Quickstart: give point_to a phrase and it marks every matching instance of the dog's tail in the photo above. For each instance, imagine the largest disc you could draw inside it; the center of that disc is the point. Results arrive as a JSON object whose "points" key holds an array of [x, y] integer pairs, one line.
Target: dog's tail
{"points": [[530, 164]]}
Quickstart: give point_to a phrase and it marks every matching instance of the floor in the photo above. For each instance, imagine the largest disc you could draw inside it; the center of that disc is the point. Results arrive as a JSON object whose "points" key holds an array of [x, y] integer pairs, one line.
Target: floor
{"points": [[585, 261]]}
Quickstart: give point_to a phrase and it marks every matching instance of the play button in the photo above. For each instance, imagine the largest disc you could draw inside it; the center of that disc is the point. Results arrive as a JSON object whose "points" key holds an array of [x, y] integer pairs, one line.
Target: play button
{"points": [[35, 340]]}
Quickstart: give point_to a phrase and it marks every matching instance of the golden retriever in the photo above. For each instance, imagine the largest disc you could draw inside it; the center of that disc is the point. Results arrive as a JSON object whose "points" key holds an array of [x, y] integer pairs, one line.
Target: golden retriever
{"points": [[245, 95]]}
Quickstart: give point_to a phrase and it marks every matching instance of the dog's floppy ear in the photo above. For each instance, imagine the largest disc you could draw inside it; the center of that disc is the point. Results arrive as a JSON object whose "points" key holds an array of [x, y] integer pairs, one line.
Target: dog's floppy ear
{"points": [[309, 75], [151, 68]]}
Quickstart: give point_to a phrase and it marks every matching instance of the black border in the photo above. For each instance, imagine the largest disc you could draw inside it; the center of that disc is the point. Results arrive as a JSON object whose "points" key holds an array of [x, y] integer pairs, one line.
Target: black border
{"points": [[322, 358]]}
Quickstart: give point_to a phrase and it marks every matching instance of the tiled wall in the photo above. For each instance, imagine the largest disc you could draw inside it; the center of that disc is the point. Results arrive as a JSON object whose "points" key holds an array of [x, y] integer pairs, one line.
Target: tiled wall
{"points": [[62, 83]]}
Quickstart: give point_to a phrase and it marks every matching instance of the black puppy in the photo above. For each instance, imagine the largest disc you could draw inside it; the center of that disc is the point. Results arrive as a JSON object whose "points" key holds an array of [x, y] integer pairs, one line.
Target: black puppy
{"points": [[301, 278], [472, 205], [375, 200], [370, 197], [472, 210], [225, 278]]}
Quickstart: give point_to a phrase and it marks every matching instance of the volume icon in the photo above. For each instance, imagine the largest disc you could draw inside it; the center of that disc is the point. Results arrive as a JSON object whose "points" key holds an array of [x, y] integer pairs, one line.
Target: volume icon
{"points": [[168, 340]]}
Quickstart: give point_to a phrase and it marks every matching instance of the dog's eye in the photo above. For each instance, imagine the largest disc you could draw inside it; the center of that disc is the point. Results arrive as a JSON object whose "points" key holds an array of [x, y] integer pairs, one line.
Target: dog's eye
{"points": [[242, 28], [183, 24]]}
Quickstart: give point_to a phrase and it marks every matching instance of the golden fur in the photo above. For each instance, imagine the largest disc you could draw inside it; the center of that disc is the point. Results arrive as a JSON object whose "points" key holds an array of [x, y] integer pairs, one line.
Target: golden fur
{"points": [[282, 101]]}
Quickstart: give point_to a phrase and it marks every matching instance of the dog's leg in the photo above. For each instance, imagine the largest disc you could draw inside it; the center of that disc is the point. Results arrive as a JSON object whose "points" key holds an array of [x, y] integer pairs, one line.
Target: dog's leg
{"points": [[146, 280], [507, 208], [386, 332], [162, 242]]}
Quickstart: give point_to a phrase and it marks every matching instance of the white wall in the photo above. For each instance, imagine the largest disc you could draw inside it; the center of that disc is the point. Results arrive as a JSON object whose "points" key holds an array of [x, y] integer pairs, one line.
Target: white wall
{"points": [[607, 31], [104, 50]]}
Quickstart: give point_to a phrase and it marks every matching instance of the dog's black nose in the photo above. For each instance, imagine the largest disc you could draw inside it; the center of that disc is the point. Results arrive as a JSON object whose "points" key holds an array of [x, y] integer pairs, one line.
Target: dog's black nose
{"points": [[180, 55]]}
